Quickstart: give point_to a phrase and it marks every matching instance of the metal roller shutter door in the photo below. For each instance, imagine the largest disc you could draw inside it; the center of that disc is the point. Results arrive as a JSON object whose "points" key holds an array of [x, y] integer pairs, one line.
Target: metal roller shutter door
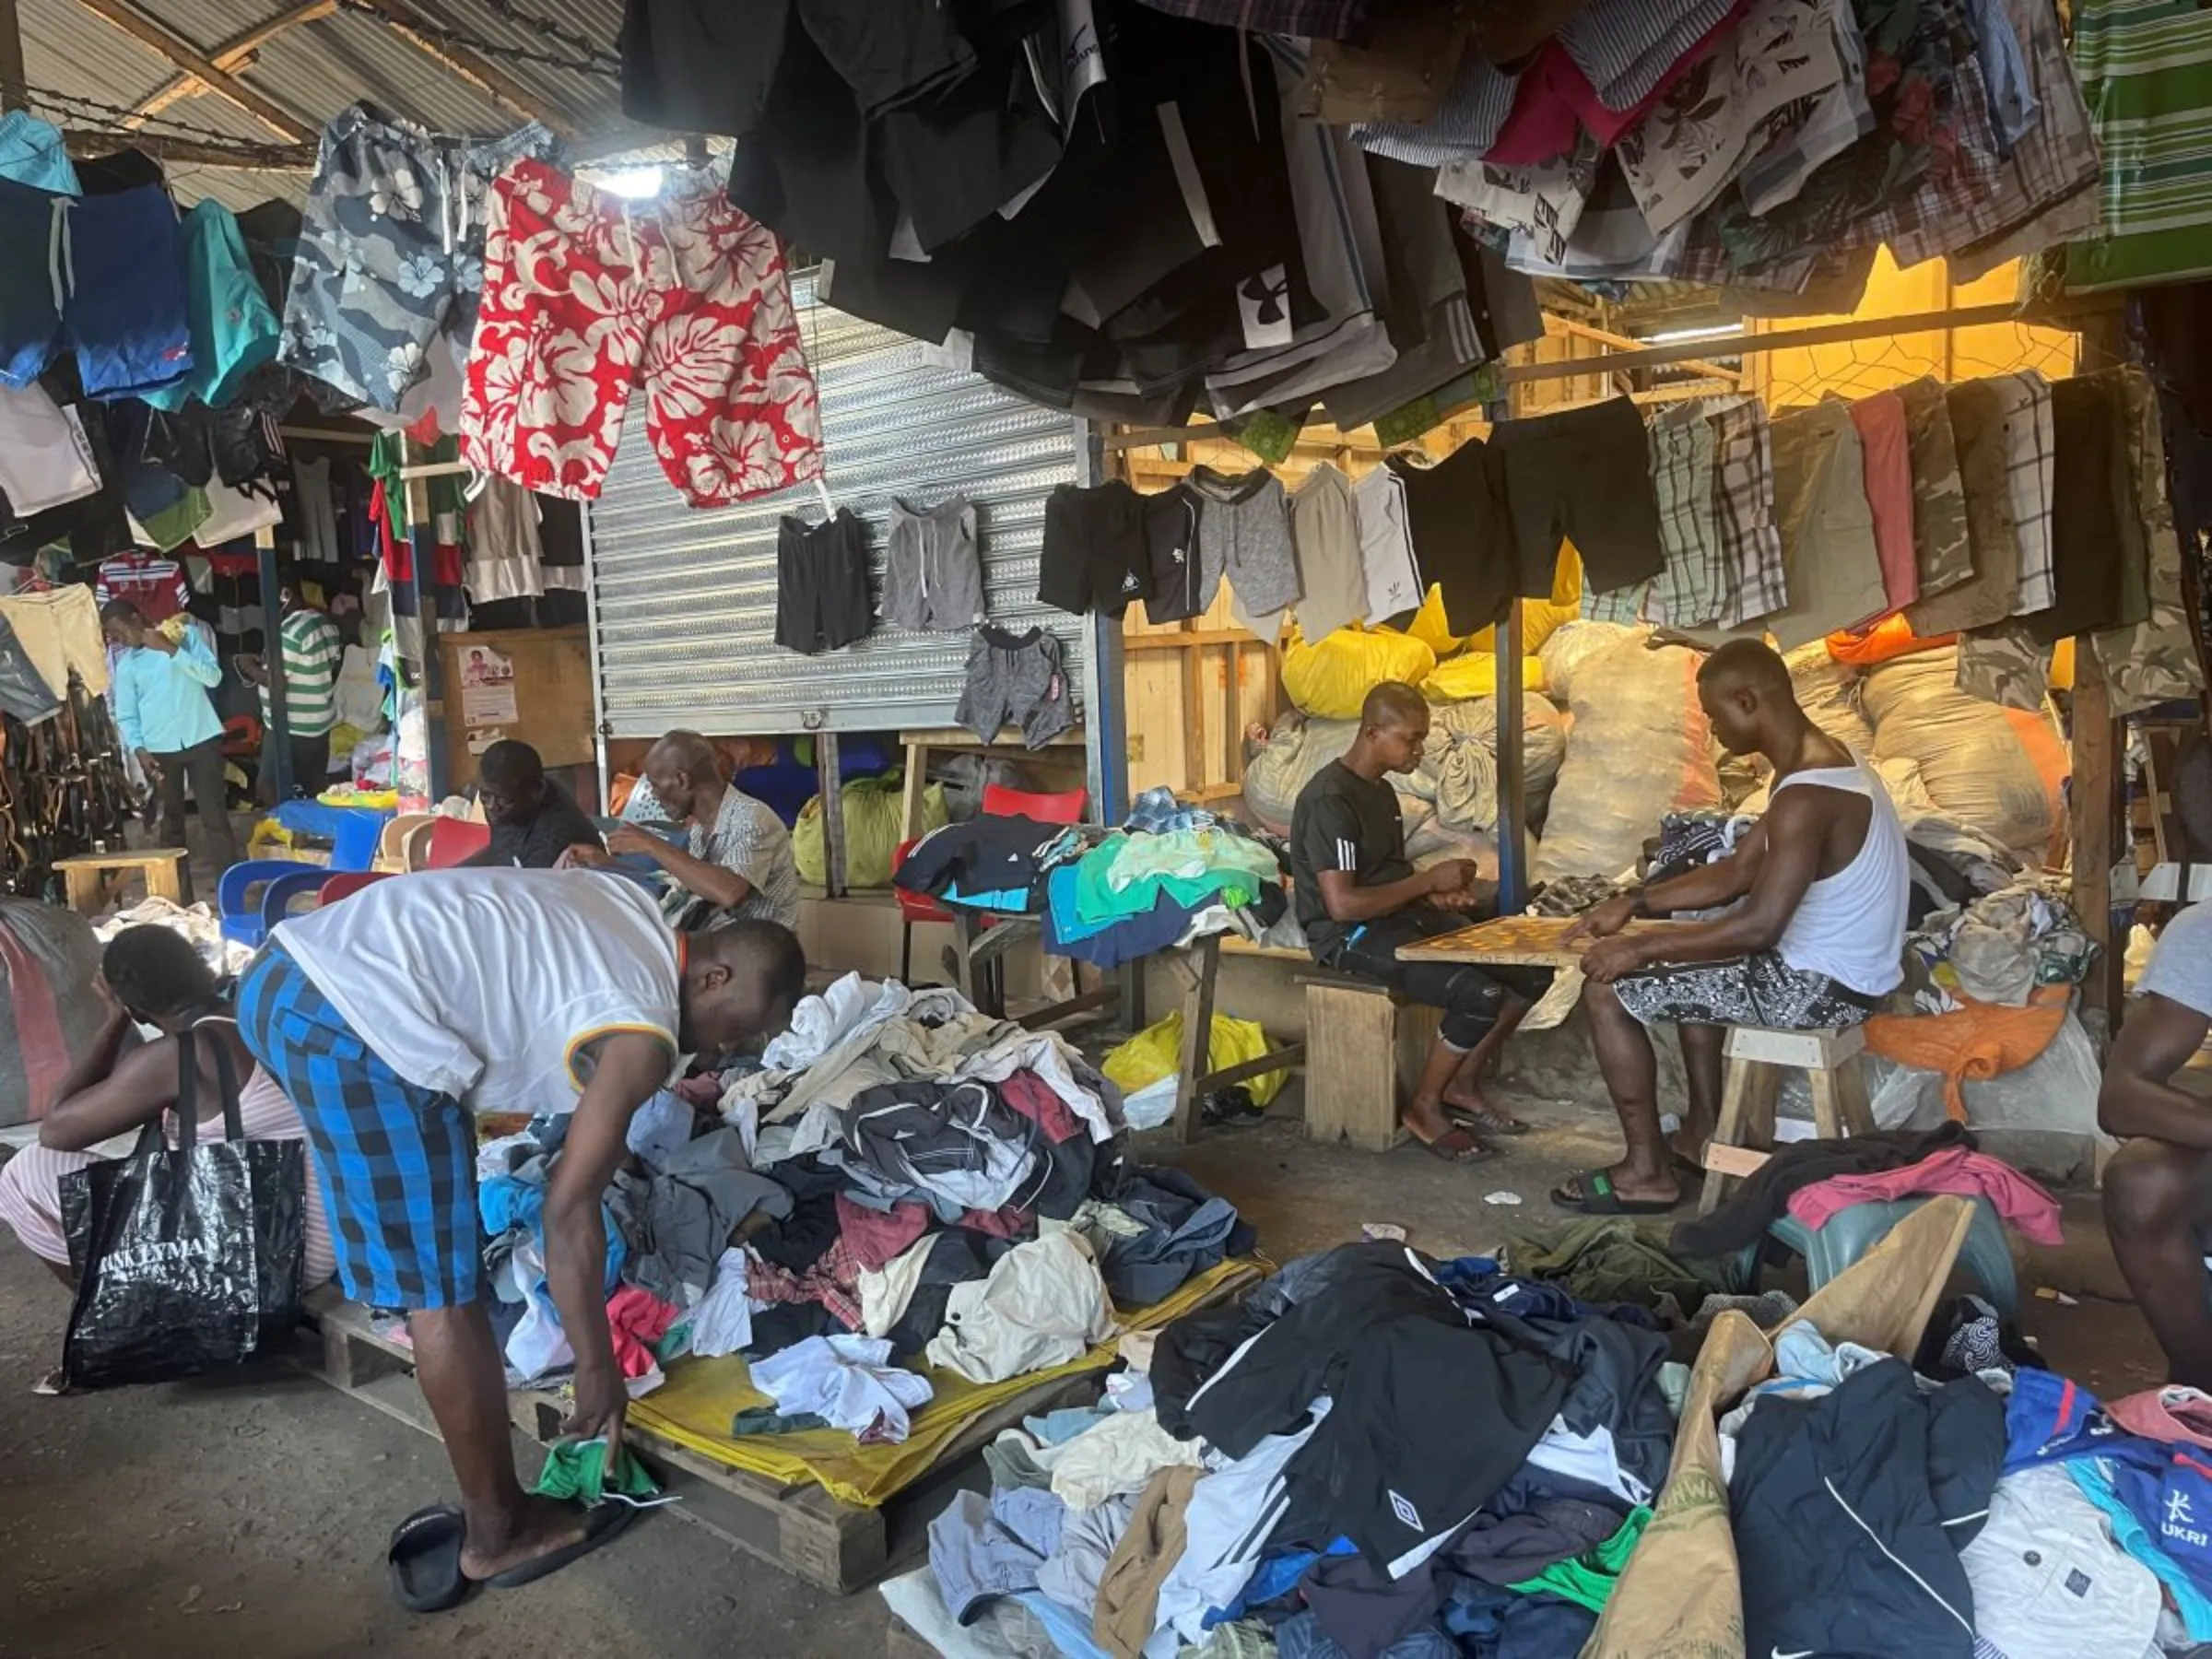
{"points": [[684, 599]]}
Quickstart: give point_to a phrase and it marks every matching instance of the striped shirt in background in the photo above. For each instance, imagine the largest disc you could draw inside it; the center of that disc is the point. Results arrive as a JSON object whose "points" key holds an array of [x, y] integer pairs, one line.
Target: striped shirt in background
{"points": [[312, 651], [2146, 69]]}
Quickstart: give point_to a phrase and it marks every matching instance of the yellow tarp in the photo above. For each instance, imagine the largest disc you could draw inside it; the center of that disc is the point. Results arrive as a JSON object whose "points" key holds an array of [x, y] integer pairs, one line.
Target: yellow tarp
{"points": [[693, 1410]]}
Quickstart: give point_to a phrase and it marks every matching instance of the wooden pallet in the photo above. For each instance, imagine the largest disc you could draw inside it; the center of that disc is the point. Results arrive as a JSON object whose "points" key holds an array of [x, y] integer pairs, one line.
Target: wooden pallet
{"points": [[799, 1528]]}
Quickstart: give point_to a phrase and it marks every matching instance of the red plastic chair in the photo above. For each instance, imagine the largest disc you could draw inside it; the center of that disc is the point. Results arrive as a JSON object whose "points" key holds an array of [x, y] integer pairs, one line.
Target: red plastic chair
{"points": [[913, 908], [345, 885], [453, 839], [1064, 806]]}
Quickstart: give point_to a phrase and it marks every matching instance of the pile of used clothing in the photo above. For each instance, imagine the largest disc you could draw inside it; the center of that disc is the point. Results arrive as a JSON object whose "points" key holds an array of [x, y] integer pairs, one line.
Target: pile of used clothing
{"points": [[1173, 873], [1376, 1454], [1384, 1456], [908, 1187], [1999, 948]]}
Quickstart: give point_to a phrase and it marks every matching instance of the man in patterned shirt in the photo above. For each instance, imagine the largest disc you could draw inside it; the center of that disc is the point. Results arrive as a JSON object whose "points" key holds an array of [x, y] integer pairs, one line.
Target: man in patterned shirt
{"points": [[739, 862]]}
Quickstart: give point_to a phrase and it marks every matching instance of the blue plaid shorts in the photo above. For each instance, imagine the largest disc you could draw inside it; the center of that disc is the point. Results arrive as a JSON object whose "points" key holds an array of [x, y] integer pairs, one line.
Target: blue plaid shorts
{"points": [[398, 1162]]}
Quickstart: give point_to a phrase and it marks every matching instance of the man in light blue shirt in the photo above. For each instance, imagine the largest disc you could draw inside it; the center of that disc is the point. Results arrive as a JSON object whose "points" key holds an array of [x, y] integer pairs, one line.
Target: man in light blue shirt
{"points": [[167, 720]]}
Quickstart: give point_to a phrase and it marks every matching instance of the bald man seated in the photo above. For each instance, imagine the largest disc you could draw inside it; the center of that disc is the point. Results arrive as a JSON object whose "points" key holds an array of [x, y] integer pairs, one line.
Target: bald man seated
{"points": [[738, 863], [1811, 934], [1359, 898]]}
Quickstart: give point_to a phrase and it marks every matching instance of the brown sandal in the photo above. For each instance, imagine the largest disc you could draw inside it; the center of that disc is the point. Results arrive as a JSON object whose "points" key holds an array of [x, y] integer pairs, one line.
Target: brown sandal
{"points": [[1457, 1146]]}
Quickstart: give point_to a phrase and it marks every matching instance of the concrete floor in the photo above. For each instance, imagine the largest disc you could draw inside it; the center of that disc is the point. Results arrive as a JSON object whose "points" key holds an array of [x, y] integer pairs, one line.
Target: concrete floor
{"points": [[247, 1515]]}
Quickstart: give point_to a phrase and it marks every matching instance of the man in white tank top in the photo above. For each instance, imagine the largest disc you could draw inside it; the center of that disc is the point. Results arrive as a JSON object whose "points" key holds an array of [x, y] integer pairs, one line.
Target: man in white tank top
{"points": [[1812, 937]]}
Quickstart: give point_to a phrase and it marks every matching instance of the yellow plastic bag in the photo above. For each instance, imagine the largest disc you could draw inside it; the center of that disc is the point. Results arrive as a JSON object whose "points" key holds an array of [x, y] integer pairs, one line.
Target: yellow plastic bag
{"points": [[1476, 675], [1157, 1051], [1432, 627], [1331, 679]]}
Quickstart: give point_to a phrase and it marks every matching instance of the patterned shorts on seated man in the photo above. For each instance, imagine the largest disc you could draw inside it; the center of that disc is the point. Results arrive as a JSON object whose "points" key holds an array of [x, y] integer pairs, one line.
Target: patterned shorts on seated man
{"points": [[1761, 990]]}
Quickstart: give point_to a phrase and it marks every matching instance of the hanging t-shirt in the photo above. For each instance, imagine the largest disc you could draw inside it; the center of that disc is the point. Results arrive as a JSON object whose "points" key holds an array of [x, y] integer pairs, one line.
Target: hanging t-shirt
{"points": [[155, 585], [488, 985]]}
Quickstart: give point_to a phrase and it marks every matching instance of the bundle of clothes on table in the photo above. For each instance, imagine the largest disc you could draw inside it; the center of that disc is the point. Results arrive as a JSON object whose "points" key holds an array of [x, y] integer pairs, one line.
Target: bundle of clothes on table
{"points": [[1380, 1455], [1171, 874], [905, 1185]]}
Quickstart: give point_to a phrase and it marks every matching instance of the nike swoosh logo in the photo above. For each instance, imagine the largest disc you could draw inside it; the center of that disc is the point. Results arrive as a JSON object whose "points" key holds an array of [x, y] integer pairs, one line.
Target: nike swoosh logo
{"points": [[1801, 1654]]}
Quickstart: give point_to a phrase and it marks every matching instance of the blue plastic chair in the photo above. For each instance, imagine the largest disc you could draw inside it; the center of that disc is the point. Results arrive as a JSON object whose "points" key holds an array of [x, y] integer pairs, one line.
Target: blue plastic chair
{"points": [[238, 903], [1852, 1232], [354, 846], [277, 898]]}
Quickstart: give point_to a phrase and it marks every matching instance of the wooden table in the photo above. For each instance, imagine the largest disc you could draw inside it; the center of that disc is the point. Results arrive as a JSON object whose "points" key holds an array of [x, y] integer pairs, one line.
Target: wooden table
{"points": [[86, 876], [921, 744], [1513, 942]]}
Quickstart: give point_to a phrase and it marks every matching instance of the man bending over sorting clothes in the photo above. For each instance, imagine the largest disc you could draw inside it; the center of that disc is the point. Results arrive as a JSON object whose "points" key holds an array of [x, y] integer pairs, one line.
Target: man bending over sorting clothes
{"points": [[738, 864], [1811, 937], [1359, 900], [521, 990], [533, 821], [2157, 1188]]}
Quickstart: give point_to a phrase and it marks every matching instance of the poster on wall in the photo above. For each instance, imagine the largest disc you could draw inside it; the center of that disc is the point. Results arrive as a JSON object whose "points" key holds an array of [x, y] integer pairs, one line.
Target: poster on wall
{"points": [[486, 691]]}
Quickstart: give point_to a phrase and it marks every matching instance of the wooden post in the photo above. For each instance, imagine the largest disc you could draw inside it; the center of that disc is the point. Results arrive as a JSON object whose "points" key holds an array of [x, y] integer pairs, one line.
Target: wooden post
{"points": [[2093, 802], [15, 83], [833, 813], [1512, 796]]}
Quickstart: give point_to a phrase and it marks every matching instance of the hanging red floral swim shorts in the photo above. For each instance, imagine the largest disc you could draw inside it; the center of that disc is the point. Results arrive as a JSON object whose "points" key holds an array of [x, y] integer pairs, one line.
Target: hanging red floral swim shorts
{"points": [[587, 295]]}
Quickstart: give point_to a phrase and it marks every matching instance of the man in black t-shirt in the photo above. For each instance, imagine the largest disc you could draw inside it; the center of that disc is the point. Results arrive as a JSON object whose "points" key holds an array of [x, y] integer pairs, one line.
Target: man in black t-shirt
{"points": [[1359, 898], [533, 821]]}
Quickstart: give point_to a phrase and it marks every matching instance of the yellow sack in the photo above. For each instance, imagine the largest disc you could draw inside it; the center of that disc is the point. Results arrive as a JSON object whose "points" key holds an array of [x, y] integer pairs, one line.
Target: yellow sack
{"points": [[1432, 627], [1157, 1051], [875, 814], [1474, 674], [1331, 679]]}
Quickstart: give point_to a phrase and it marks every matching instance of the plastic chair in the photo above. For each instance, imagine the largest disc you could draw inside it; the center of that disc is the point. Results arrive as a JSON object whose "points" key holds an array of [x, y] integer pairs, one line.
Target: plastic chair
{"points": [[1852, 1232], [278, 895], [453, 839], [1063, 806], [392, 842], [345, 885], [913, 908], [354, 846], [415, 848], [237, 899]]}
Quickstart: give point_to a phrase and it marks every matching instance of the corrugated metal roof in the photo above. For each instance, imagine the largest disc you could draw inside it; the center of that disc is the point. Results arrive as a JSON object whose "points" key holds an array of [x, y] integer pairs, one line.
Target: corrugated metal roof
{"points": [[313, 70]]}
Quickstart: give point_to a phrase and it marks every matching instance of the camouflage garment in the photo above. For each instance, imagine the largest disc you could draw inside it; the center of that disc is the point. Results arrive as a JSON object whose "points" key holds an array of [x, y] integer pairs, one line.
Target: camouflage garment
{"points": [[1977, 415], [1942, 548], [2156, 660], [2003, 665]]}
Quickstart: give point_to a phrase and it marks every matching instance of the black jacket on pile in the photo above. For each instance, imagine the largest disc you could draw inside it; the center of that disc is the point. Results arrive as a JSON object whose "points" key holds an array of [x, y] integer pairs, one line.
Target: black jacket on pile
{"points": [[1850, 1512], [1430, 1415]]}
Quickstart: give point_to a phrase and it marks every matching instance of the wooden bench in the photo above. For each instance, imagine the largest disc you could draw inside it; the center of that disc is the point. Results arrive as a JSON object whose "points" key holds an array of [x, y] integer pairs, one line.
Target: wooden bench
{"points": [[90, 877], [1376, 1043]]}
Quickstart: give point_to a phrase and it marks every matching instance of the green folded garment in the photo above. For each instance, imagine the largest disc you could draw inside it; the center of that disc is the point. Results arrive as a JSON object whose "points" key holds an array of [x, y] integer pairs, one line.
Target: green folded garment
{"points": [[577, 1468], [1589, 1578]]}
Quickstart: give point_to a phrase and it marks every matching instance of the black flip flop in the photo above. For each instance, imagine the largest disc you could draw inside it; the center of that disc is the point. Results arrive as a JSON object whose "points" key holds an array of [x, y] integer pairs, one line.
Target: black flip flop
{"points": [[602, 1524], [424, 1559], [1467, 1117], [1598, 1197]]}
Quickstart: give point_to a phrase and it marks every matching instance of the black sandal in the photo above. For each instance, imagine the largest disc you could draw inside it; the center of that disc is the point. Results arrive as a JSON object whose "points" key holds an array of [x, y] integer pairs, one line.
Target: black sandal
{"points": [[602, 1524], [1597, 1195], [424, 1559]]}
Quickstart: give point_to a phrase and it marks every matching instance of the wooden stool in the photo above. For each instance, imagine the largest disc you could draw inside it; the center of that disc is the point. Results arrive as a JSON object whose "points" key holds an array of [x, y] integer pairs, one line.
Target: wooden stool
{"points": [[88, 875], [1830, 1060], [1369, 1061]]}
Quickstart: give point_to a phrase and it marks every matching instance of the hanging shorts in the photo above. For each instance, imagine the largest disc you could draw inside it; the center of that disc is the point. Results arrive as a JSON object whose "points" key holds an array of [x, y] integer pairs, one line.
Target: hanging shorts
{"points": [[822, 583], [1550, 463], [101, 276], [392, 251], [1017, 678], [585, 295], [233, 330]]}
